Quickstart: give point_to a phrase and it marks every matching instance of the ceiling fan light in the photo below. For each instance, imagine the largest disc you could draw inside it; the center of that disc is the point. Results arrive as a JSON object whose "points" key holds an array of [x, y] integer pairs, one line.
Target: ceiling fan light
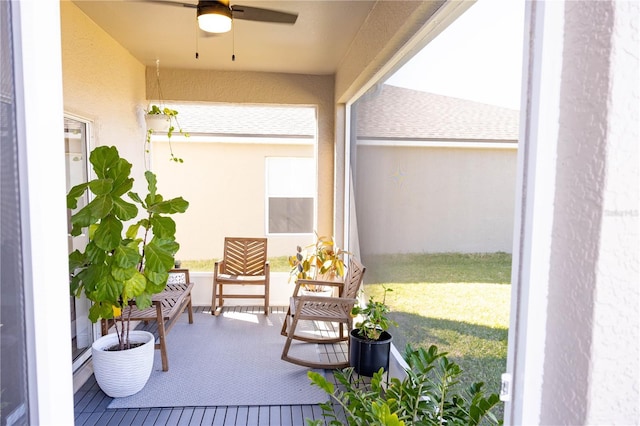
{"points": [[214, 18]]}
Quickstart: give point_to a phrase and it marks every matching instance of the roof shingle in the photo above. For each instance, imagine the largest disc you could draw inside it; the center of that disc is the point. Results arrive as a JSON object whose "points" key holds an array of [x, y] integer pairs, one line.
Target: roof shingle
{"points": [[399, 113]]}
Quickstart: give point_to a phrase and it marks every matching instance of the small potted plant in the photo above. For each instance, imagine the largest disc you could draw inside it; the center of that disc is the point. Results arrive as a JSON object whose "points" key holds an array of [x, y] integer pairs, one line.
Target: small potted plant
{"points": [[165, 120], [115, 270], [369, 341], [322, 261]]}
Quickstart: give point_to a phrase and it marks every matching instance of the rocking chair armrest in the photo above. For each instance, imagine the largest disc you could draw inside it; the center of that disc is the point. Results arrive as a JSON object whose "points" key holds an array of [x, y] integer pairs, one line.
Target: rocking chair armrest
{"points": [[320, 282], [325, 299], [218, 266]]}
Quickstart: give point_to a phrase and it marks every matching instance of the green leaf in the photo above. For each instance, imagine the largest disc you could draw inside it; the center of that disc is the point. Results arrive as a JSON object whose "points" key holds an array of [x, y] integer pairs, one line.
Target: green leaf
{"points": [[174, 205], [75, 193], [153, 287], [127, 256], [101, 186], [107, 289], [122, 274], [98, 208], [124, 210], [157, 280], [133, 287], [75, 286], [152, 187], [76, 260], [95, 254], [119, 172], [102, 158], [132, 231], [109, 233], [100, 310], [143, 301], [135, 197], [159, 254], [163, 227], [320, 381]]}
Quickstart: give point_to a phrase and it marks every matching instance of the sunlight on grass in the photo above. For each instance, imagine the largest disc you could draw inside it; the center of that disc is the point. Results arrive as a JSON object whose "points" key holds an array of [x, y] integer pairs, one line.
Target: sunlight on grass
{"points": [[468, 320], [473, 303], [458, 302]]}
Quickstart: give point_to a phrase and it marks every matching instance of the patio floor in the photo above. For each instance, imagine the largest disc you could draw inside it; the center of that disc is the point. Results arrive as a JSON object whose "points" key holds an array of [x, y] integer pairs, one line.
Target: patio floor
{"points": [[90, 403]]}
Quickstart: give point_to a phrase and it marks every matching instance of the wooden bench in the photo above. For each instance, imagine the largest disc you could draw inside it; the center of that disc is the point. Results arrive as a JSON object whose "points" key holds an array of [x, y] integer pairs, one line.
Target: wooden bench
{"points": [[166, 307]]}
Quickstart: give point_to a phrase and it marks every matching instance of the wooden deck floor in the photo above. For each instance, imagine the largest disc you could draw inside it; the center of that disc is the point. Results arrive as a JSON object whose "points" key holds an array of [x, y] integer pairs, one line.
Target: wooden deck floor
{"points": [[90, 405]]}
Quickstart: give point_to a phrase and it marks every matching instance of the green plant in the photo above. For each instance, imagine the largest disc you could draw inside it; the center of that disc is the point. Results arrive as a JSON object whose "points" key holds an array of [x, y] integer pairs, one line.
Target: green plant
{"points": [[114, 269], [428, 395], [321, 260], [171, 115], [374, 318]]}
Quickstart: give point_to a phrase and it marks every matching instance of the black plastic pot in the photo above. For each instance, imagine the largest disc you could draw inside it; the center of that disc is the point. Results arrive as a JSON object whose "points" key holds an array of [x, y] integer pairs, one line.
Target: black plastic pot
{"points": [[368, 356]]}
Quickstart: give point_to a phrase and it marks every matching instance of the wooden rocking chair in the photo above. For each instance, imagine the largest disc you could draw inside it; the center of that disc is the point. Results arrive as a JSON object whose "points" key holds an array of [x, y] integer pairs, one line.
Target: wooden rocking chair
{"points": [[244, 263], [324, 309]]}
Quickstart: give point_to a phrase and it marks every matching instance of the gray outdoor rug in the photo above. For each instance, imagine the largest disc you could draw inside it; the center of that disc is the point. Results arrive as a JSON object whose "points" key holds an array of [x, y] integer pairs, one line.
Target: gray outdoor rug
{"points": [[230, 360]]}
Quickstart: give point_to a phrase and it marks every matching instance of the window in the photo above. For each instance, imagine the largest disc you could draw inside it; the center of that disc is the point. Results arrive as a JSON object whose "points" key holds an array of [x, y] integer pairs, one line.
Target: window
{"points": [[291, 187]]}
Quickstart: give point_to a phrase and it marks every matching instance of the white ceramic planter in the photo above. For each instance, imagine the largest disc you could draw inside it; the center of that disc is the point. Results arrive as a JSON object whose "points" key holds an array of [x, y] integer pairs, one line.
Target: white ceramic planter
{"points": [[123, 373], [157, 122]]}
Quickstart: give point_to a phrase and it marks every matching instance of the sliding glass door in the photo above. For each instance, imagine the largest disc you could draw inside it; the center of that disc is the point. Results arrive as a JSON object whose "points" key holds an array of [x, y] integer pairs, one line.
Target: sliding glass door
{"points": [[75, 142]]}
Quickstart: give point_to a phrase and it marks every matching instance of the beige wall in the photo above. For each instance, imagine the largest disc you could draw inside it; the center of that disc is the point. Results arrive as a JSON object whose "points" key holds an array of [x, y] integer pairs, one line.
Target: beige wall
{"points": [[426, 200], [264, 88], [102, 82], [225, 186]]}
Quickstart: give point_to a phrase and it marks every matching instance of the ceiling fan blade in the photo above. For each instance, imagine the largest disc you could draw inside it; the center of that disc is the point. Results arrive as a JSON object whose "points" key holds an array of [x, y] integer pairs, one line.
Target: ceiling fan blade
{"points": [[171, 3], [264, 15]]}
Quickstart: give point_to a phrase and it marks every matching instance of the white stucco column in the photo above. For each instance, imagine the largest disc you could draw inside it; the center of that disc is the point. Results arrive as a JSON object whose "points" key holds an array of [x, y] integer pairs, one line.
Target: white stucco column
{"points": [[614, 378], [574, 341]]}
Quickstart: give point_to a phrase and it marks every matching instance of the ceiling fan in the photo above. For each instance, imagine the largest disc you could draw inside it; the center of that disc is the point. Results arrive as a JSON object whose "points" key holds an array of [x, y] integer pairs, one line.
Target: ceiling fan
{"points": [[215, 16]]}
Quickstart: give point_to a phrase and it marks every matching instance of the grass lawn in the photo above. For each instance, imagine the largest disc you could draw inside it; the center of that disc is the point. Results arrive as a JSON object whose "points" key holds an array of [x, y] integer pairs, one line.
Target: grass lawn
{"points": [[458, 302]]}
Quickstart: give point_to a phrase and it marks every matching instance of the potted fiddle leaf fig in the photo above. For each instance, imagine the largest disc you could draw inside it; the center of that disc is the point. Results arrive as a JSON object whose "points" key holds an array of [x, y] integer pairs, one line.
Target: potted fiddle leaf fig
{"points": [[369, 341], [117, 269]]}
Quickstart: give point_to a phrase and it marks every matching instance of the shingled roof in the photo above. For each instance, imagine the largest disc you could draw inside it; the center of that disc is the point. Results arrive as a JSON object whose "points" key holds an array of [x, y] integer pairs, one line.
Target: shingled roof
{"points": [[392, 113], [246, 120], [404, 114]]}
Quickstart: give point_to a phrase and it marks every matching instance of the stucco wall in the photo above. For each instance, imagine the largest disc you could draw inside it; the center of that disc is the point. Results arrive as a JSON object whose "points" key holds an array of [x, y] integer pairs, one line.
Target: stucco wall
{"points": [[592, 357], [575, 342], [615, 399], [102, 82], [225, 186], [426, 200]]}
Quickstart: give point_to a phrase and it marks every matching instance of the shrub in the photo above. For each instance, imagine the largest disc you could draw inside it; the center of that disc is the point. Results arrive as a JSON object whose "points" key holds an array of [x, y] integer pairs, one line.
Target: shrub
{"points": [[429, 395]]}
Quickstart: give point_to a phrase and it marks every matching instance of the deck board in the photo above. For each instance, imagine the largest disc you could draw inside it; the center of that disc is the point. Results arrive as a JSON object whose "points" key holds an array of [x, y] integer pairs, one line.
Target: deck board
{"points": [[90, 403]]}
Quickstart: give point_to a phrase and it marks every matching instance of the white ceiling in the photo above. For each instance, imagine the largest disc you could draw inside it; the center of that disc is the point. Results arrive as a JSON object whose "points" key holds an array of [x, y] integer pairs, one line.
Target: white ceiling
{"points": [[315, 44]]}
